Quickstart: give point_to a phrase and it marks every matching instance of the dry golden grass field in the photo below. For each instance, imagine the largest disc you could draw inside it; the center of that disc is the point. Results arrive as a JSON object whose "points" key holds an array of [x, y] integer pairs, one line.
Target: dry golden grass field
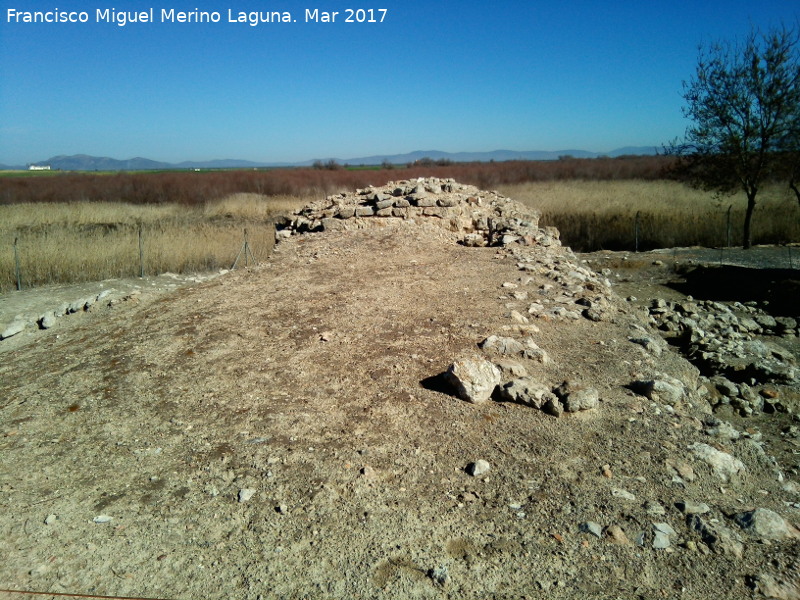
{"points": [[595, 215], [87, 241]]}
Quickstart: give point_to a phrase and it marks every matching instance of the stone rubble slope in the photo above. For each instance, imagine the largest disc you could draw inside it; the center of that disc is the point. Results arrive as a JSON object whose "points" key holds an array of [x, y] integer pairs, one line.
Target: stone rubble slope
{"points": [[732, 344]]}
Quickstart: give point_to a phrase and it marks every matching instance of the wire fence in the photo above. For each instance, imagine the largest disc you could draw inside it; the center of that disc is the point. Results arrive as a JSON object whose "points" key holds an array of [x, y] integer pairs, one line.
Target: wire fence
{"points": [[44, 258], [107, 250], [774, 256]]}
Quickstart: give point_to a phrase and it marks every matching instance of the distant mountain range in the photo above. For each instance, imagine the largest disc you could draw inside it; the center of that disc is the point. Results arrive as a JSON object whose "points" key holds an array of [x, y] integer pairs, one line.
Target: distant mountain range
{"points": [[84, 162]]}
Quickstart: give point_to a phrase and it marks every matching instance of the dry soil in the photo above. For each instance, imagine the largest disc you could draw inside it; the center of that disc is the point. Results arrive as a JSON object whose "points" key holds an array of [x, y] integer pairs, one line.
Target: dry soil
{"points": [[283, 432]]}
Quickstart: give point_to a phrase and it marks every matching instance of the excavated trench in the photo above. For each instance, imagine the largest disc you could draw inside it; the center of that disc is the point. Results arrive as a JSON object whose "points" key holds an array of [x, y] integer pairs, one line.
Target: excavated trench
{"points": [[778, 290]]}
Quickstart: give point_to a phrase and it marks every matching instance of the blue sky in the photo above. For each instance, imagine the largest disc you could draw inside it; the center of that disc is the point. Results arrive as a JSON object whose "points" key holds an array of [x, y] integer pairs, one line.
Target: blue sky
{"points": [[446, 75]]}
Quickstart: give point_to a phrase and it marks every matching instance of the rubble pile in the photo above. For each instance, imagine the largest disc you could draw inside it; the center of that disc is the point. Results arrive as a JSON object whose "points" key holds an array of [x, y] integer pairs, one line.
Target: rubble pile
{"points": [[480, 218], [731, 346]]}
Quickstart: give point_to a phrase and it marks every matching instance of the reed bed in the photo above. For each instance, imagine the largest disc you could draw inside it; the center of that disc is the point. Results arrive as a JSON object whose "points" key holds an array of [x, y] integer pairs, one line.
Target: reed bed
{"points": [[596, 215], [63, 242], [90, 241]]}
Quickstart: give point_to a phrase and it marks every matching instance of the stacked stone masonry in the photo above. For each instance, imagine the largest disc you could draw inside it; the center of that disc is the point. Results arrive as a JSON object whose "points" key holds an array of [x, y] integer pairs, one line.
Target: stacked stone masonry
{"points": [[479, 218]]}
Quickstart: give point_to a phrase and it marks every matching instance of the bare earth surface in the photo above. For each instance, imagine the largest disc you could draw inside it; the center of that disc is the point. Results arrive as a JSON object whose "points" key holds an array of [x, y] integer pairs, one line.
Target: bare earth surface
{"points": [[282, 432]]}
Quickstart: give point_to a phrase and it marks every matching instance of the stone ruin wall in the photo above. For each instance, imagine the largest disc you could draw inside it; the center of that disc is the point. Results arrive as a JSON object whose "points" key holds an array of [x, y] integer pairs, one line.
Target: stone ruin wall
{"points": [[479, 218], [723, 343]]}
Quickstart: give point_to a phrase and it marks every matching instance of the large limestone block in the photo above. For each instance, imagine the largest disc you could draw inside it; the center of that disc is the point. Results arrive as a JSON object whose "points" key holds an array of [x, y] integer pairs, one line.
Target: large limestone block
{"points": [[723, 464], [473, 379]]}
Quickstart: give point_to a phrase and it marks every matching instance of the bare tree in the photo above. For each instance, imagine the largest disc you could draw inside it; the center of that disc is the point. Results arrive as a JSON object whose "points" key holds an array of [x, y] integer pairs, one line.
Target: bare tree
{"points": [[794, 176], [744, 101], [791, 155]]}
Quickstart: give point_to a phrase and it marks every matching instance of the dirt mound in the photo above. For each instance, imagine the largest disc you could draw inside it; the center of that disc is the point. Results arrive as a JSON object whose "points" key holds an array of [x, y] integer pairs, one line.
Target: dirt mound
{"points": [[274, 433]]}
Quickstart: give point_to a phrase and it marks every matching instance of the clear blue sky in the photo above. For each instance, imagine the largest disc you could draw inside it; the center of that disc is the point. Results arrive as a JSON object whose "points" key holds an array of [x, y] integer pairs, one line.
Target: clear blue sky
{"points": [[444, 75]]}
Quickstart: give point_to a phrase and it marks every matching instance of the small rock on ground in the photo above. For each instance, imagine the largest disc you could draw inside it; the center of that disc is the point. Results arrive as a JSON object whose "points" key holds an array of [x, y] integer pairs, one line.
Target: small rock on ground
{"points": [[478, 468]]}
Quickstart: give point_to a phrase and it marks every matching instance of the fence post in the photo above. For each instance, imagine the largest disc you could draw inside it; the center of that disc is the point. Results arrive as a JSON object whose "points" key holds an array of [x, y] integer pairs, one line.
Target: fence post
{"points": [[141, 253], [728, 228], [636, 231], [248, 254], [16, 265]]}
